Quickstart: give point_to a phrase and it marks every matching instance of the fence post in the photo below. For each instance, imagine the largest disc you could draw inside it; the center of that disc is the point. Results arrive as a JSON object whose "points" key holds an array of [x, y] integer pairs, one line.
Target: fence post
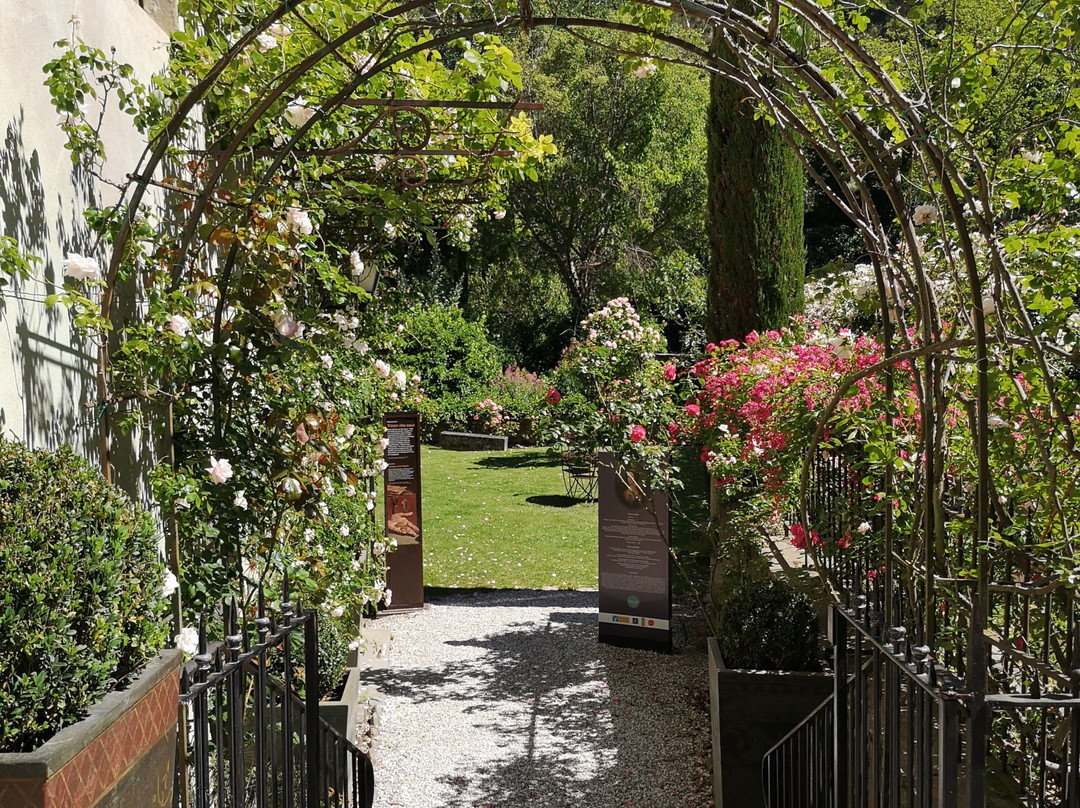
{"points": [[840, 704], [311, 713], [948, 752]]}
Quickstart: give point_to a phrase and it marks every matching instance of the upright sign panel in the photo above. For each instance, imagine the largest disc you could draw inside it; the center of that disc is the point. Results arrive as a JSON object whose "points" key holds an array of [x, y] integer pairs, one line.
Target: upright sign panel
{"points": [[405, 565], [635, 581]]}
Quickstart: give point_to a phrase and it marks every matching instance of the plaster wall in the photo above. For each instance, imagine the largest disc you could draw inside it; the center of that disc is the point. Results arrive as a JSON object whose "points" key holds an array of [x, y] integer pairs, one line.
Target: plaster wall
{"points": [[47, 390]]}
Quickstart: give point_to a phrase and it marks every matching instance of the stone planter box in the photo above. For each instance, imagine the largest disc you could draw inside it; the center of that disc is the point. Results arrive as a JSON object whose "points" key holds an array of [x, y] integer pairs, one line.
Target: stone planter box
{"points": [[473, 442], [343, 713], [121, 755], [751, 711]]}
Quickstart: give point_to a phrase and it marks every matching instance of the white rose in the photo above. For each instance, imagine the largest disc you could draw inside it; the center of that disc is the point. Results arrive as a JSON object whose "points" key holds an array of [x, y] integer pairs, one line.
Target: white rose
{"points": [[327, 361], [298, 220], [169, 585], [337, 611], [382, 368], [645, 69], [344, 530], [220, 470], [290, 487], [179, 325], [187, 640], [864, 528], [378, 549], [400, 379], [81, 268], [924, 214], [264, 42], [362, 348], [500, 214], [286, 325], [297, 113], [989, 306], [239, 500]]}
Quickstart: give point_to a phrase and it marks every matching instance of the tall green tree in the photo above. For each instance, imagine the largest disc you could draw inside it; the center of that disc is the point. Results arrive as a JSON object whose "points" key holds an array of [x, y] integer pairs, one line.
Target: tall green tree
{"points": [[755, 218]]}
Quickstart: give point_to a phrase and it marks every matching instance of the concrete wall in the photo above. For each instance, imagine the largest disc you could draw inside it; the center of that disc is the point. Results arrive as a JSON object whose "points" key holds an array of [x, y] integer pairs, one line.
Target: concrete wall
{"points": [[47, 391]]}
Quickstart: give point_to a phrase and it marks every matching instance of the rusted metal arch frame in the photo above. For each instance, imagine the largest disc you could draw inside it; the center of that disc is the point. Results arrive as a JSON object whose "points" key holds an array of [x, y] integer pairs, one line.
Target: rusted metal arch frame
{"points": [[733, 20], [877, 154]]}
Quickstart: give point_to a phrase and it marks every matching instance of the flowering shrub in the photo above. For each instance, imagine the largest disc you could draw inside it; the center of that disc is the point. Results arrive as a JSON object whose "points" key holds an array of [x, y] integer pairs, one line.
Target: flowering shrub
{"points": [[758, 404], [81, 592], [610, 392], [514, 406], [490, 416]]}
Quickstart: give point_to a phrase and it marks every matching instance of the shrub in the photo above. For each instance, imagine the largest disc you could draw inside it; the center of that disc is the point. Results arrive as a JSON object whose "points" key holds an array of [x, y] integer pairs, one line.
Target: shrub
{"points": [[81, 603], [456, 362], [767, 625]]}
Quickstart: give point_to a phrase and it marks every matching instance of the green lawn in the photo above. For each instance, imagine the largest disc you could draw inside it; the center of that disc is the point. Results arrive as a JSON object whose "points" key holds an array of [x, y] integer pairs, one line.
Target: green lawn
{"points": [[503, 520]]}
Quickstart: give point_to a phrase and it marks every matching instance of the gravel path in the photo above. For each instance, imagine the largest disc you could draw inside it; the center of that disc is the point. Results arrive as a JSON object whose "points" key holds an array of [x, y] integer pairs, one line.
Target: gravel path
{"points": [[505, 699]]}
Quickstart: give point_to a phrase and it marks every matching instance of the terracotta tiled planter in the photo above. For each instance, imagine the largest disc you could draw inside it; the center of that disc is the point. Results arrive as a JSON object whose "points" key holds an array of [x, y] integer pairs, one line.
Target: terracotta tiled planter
{"points": [[120, 756]]}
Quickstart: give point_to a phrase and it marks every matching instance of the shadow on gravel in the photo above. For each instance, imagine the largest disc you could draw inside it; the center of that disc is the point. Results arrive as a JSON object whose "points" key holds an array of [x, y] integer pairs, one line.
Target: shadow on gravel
{"points": [[572, 722]]}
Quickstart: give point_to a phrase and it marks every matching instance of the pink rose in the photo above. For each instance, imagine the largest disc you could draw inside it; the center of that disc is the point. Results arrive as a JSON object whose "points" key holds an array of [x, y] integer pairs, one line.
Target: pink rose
{"points": [[553, 396], [693, 409], [670, 371], [637, 434], [220, 470]]}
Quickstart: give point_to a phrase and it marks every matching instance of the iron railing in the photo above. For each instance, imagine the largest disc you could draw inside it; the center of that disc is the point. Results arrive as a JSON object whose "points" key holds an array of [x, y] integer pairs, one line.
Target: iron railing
{"points": [[251, 734], [798, 771]]}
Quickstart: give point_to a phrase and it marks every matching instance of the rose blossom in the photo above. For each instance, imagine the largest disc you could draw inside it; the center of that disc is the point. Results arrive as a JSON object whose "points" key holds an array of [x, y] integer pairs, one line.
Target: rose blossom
{"points": [[637, 434], [693, 409], [169, 585], [924, 214], [187, 640], [670, 372], [400, 379], [382, 368], [179, 325], [81, 268], [297, 113], [298, 220], [220, 470], [553, 396]]}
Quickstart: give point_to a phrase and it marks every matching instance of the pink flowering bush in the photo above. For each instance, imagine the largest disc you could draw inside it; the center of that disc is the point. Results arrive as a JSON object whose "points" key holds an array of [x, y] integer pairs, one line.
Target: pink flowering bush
{"points": [[757, 405], [611, 392]]}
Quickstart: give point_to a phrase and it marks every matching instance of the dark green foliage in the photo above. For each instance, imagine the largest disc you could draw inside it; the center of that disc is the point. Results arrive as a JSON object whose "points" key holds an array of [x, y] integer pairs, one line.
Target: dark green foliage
{"points": [[456, 362], [81, 606], [767, 625], [755, 219]]}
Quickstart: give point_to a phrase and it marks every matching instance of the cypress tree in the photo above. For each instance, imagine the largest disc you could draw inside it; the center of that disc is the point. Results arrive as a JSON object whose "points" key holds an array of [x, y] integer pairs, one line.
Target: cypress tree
{"points": [[755, 218]]}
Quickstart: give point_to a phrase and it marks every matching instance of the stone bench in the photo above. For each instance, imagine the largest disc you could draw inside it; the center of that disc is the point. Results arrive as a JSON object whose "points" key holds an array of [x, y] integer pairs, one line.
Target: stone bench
{"points": [[472, 442]]}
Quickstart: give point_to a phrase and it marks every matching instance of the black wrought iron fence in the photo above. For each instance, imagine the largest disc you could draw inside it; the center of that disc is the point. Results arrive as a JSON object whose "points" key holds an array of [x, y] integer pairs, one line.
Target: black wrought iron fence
{"points": [[251, 734], [799, 771]]}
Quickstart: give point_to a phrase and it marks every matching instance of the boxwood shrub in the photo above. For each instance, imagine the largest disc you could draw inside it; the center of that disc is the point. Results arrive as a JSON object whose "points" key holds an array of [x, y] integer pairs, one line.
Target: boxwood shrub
{"points": [[81, 604], [767, 625]]}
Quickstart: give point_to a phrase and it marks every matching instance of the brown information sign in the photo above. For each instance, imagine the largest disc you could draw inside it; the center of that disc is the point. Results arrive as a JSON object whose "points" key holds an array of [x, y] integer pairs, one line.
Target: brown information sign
{"points": [[635, 581], [401, 480]]}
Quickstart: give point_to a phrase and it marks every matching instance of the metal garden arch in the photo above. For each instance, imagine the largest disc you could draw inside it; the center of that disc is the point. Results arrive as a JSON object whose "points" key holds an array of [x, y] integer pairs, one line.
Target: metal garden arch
{"points": [[779, 74]]}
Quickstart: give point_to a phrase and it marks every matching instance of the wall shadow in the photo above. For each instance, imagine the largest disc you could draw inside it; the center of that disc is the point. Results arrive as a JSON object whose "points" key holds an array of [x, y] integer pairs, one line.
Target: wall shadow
{"points": [[54, 367]]}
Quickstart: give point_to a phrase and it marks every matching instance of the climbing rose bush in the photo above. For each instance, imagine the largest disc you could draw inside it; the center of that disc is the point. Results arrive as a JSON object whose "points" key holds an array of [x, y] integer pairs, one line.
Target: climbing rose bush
{"points": [[610, 392]]}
